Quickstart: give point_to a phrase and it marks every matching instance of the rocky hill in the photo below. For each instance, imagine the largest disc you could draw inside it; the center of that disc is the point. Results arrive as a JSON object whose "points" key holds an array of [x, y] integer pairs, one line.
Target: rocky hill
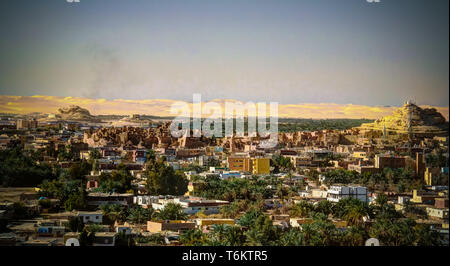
{"points": [[75, 113], [411, 117]]}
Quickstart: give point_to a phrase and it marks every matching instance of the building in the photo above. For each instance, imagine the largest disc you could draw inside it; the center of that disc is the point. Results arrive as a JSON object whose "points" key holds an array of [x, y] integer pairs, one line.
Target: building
{"points": [[403, 199], [72, 239], [388, 161], [360, 155], [193, 205], [212, 221], [91, 217], [193, 188], [256, 166], [169, 225], [298, 222], [145, 200], [240, 163], [362, 168], [261, 166], [91, 184], [85, 155], [7, 239], [336, 193], [439, 213], [424, 197], [26, 124], [96, 199], [319, 193], [431, 174], [441, 203], [50, 231], [206, 224], [123, 229], [139, 156], [227, 174], [105, 239], [302, 161]]}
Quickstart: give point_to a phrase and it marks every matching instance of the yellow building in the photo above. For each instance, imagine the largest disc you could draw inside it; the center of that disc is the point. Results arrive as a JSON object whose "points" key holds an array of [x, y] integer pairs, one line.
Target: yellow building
{"points": [[241, 164], [193, 187], [261, 166], [360, 155], [430, 174], [209, 222]]}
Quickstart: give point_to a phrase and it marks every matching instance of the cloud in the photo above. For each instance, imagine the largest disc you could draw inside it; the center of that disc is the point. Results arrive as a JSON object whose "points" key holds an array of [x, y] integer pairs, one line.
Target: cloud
{"points": [[161, 107]]}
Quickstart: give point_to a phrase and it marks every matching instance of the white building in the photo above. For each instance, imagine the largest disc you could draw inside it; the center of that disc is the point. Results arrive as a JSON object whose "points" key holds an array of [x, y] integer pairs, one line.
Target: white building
{"points": [[143, 200], [193, 205], [91, 217], [336, 193]]}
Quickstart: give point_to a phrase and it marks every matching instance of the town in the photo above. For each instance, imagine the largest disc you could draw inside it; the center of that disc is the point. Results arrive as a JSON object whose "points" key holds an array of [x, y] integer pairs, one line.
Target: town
{"points": [[72, 179]]}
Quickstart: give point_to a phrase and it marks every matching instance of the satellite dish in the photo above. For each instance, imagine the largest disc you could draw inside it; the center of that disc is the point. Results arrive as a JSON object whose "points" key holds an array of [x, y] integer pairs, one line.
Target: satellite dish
{"points": [[72, 242], [372, 242]]}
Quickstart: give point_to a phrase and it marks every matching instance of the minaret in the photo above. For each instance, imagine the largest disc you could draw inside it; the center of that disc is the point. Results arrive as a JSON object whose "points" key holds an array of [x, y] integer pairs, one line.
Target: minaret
{"points": [[384, 129]]}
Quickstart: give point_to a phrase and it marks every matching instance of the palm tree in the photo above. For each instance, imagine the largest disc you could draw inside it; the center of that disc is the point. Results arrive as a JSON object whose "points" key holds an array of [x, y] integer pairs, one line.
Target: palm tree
{"points": [[293, 237], [253, 238], [193, 237], [140, 215], [355, 214]]}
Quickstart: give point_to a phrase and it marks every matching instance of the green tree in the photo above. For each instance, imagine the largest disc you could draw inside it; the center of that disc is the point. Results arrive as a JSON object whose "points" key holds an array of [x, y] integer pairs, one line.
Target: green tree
{"points": [[193, 237], [293, 237], [171, 211], [76, 201], [75, 224], [324, 206], [225, 235], [262, 233], [163, 180], [249, 218], [113, 212], [86, 238], [321, 232], [394, 232], [140, 215]]}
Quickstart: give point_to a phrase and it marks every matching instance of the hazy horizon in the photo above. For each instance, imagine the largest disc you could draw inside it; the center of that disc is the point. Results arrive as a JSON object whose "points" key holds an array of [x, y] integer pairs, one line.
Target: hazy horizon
{"points": [[161, 107]]}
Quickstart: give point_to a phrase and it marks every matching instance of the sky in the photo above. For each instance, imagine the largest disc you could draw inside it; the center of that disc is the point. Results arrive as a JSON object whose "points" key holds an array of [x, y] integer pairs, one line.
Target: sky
{"points": [[292, 52]]}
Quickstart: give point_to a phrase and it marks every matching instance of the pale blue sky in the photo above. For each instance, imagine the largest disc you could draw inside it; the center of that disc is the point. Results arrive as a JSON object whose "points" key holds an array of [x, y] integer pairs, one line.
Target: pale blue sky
{"points": [[347, 51]]}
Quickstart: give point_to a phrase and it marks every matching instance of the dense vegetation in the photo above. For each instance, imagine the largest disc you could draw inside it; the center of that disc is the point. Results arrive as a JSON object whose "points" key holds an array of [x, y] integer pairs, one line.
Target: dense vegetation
{"points": [[162, 179], [21, 169], [398, 179], [390, 227], [292, 125], [214, 187], [138, 215]]}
